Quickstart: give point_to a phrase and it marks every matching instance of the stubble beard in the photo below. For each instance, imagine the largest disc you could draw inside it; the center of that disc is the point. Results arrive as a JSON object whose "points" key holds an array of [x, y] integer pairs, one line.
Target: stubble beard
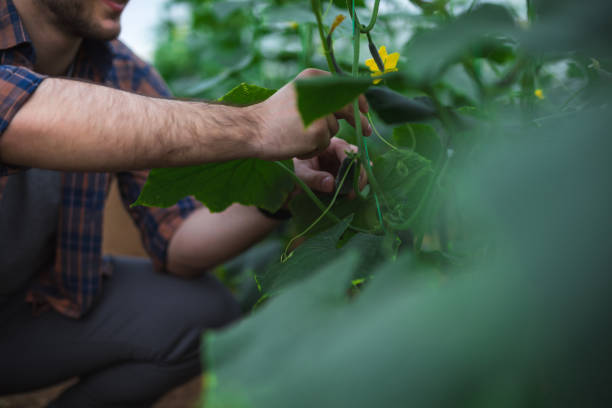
{"points": [[72, 17]]}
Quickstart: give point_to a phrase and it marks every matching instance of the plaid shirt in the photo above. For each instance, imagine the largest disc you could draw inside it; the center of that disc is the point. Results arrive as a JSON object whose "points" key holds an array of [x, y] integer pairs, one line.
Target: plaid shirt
{"points": [[74, 282]]}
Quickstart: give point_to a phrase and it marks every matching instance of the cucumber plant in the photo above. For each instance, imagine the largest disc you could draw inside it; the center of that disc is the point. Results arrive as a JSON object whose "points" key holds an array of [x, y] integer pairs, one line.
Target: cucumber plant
{"points": [[465, 274]]}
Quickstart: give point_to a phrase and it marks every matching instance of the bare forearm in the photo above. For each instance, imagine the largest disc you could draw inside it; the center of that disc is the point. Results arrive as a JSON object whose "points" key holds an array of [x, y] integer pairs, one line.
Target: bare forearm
{"points": [[70, 125], [207, 239]]}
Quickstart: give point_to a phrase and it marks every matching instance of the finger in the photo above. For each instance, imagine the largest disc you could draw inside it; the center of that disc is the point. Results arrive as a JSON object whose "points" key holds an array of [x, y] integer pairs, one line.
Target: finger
{"points": [[312, 154], [346, 113], [321, 133], [363, 104], [363, 178], [340, 147], [324, 144], [332, 124], [317, 180], [365, 125], [312, 72]]}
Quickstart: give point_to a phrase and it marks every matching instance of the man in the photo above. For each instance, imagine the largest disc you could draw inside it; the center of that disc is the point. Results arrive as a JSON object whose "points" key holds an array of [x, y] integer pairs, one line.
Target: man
{"points": [[138, 337]]}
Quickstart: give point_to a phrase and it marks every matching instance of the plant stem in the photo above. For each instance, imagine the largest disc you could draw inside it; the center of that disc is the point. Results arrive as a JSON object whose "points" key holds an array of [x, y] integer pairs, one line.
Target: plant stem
{"points": [[531, 14], [331, 2], [358, 131], [306, 189], [382, 138], [370, 26], [316, 9], [314, 197], [286, 256]]}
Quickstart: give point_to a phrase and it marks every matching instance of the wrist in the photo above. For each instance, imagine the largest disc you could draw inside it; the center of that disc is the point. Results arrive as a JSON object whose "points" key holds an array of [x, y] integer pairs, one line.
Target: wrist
{"points": [[254, 117]]}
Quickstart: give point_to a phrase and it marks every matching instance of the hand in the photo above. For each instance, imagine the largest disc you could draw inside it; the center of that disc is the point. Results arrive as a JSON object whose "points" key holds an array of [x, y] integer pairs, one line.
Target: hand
{"points": [[283, 134], [319, 172]]}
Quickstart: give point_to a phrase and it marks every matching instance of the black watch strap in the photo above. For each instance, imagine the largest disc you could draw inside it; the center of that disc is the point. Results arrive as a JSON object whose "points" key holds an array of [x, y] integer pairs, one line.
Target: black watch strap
{"points": [[281, 214]]}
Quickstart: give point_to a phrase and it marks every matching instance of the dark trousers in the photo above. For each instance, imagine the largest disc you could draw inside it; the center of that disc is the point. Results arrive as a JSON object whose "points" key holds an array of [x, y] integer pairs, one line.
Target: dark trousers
{"points": [[140, 340]]}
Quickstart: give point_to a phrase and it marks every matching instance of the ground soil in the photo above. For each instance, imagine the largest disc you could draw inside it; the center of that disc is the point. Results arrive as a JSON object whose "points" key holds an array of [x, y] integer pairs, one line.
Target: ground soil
{"points": [[184, 396]]}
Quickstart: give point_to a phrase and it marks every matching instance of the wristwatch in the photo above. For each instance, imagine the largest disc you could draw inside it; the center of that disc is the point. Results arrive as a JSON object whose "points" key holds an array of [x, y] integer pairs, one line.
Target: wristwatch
{"points": [[281, 214]]}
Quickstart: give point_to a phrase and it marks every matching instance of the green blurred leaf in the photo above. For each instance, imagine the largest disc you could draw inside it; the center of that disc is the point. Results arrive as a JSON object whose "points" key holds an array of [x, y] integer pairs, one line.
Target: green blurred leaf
{"points": [[226, 8], [347, 4], [321, 249], [526, 326], [403, 177], [481, 31], [298, 13], [422, 139], [305, 212], [305, 260], [323, 95], [218, 185]]}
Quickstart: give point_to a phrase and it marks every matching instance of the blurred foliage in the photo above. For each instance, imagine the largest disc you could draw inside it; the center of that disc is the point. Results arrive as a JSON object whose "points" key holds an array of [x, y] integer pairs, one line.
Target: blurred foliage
{"points": [[487, 283], [223, 43]]}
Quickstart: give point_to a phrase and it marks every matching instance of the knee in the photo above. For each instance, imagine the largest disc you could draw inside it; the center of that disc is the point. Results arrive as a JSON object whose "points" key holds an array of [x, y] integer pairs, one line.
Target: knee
{"points": [[204, 305], [209, 305]]}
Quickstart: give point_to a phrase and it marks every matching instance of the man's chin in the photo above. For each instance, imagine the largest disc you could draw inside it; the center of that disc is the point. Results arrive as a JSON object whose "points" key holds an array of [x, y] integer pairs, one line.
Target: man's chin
{"points": [[104, 32]]}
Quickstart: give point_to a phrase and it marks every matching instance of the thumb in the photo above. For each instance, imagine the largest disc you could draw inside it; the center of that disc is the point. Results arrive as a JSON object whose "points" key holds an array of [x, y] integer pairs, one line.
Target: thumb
{"points": [[317, 180]]}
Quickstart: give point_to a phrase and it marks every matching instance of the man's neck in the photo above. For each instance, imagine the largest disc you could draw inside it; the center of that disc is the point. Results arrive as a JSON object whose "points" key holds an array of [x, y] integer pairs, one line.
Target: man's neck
{"points": [[55, 48]]}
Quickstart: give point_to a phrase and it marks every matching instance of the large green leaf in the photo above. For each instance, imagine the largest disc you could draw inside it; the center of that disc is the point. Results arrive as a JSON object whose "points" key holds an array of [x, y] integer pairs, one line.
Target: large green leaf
{"points": [[218, 185], [403, 177], [320, 250], [419, 137], [476, 33], [526, 326], [320, 96], [246, 94], [590, 27], [305, 212], [305, 260]]}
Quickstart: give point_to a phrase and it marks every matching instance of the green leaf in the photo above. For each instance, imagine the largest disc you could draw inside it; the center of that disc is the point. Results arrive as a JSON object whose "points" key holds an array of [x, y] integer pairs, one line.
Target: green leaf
{"points": [[347, 4], [246, 94], [432, 51], [218, 185], [420, 138], [298, 13], [514, 329], [320, 250], [323, 95], [305, 212], [305, 260], [403, 177], [226, 352], [225, 9]]}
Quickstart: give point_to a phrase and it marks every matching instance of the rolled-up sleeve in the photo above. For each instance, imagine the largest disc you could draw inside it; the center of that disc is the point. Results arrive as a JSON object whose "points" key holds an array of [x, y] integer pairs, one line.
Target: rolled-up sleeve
{"points": [[156, 225], [17, 84]]}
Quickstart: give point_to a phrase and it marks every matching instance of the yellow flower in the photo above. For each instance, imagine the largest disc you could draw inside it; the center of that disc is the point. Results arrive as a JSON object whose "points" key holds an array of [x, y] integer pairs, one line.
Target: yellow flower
{"points": [[539, 94], [389, 61], [293, 25]]}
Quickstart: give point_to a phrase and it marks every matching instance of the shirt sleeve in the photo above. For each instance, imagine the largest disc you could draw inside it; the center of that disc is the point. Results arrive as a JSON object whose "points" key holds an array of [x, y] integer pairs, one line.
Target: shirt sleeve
{"points": [[17, 84], [156, 225]]}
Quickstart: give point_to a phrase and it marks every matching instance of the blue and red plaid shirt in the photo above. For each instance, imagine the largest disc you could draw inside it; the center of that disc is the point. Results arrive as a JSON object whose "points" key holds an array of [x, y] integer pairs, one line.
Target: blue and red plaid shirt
{"points": [[74, 282]]}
